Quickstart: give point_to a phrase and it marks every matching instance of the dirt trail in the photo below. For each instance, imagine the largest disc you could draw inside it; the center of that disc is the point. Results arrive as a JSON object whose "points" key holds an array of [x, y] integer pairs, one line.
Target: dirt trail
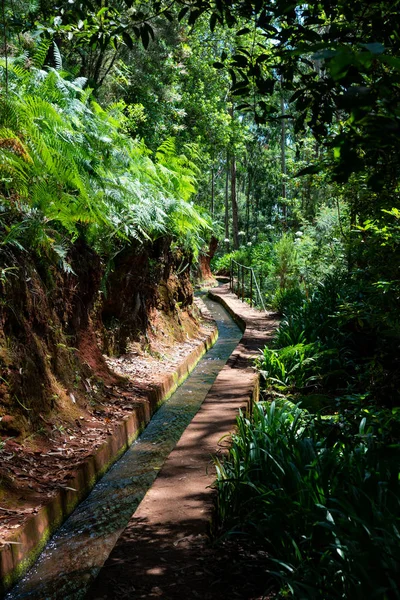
{"points": [[165, 550]]}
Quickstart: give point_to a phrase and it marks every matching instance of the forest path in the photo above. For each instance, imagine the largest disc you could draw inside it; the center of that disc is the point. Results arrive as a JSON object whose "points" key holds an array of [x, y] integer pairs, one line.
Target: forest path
{"points": [[165, 551]]}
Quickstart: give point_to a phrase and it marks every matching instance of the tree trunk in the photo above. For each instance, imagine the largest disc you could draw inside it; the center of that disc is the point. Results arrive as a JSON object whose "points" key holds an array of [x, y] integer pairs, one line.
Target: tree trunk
{"points": [[227, 203], [255, 215], [248, 204], [283, 158], [205, 260], [235, 220], [212, 192], [3, 11]]}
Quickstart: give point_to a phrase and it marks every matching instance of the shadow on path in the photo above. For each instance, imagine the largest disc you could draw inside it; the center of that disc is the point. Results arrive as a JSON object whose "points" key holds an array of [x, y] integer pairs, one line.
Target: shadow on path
{"points": [[145, 564]]}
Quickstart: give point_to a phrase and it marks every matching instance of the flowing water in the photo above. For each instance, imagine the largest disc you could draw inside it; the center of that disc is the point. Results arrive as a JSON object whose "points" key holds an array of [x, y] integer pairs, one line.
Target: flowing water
{"points": [[75, 554]]}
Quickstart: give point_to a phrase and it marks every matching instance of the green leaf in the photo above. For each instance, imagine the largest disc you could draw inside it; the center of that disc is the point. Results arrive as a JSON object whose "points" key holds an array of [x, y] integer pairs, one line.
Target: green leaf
{"points": [[127, 39], [102, 11], [241, 91], [182, 13], [243, 31], [392, 61], [262, 58], [374, 47], [310, 170], [150, 30], [241, 60], [194, 15], [144, 34]]}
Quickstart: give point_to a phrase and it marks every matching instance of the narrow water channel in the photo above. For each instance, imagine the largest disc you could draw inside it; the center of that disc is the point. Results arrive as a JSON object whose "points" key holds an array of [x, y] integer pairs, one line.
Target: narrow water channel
{"points": [[75, 554]]}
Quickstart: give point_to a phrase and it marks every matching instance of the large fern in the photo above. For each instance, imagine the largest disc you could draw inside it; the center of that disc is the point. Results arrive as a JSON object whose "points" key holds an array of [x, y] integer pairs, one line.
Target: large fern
{"points": [[64, 157]]}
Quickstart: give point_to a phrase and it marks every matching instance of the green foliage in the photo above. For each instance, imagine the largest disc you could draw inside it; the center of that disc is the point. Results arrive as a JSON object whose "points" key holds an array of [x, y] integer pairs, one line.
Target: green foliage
{"points": [[68, 170], [222, 264], [313, 317], [285, 298], [296, 366], [320, 495], [316, 323], [285, 267], [292, 266], [321, 246], [258, 256], [328, 66]]}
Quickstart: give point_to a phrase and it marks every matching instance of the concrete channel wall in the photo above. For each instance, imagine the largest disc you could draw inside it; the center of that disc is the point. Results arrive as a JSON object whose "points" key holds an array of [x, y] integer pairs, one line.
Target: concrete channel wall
{"points": [[22, 548]]}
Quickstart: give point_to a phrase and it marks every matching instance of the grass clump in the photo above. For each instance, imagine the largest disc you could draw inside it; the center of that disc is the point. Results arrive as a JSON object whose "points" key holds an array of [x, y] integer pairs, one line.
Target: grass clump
{"points": [[320, 494]]}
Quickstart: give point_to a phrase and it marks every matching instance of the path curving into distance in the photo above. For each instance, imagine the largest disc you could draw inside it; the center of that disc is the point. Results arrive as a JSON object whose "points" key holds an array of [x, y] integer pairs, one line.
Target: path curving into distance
{"points": [[74, 556]]}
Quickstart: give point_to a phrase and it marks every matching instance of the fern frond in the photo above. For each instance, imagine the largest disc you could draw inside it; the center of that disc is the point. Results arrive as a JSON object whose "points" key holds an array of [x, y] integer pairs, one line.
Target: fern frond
{"points": [[41, 53], [57, 57], [80, 82]]}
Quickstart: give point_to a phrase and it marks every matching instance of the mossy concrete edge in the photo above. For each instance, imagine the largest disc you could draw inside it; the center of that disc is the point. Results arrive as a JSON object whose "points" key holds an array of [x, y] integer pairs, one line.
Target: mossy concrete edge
{"points": [[241, 323], [21, 550]]}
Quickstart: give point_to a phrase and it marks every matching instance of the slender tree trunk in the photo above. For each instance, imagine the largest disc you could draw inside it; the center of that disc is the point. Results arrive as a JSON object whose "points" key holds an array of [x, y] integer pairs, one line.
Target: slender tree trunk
{"points": [[283, 158], [95, 76], [227, 203], [212, 192], [248, 205], [109, 67], [235, 219], [256, 212], [3, 10]]}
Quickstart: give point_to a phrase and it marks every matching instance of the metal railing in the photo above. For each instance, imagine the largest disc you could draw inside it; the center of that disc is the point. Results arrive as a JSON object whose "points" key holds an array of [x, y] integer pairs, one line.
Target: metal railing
{"points": [[245, 287]]}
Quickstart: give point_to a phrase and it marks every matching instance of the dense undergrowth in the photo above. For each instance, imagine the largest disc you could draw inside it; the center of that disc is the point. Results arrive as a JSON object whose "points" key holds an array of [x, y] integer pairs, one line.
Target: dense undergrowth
{"points": [[320, 494], [312, 476]]}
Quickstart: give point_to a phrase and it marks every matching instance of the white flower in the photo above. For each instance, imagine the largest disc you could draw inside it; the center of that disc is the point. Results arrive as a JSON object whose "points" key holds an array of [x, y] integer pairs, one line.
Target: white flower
{"points": [[241, 233], [249, 243], [226, 240], [298, 233]]}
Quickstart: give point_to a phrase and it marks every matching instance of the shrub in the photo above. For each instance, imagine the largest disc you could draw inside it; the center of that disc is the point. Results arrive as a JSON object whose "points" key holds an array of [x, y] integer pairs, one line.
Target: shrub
{"points": [[285, 261], [287, 299], [293, 366], [257, 256]]}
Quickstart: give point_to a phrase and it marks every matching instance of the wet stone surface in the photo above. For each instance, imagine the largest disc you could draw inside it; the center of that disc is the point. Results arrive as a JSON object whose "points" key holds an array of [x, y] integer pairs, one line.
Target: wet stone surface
{"points": [[76, 553]]}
